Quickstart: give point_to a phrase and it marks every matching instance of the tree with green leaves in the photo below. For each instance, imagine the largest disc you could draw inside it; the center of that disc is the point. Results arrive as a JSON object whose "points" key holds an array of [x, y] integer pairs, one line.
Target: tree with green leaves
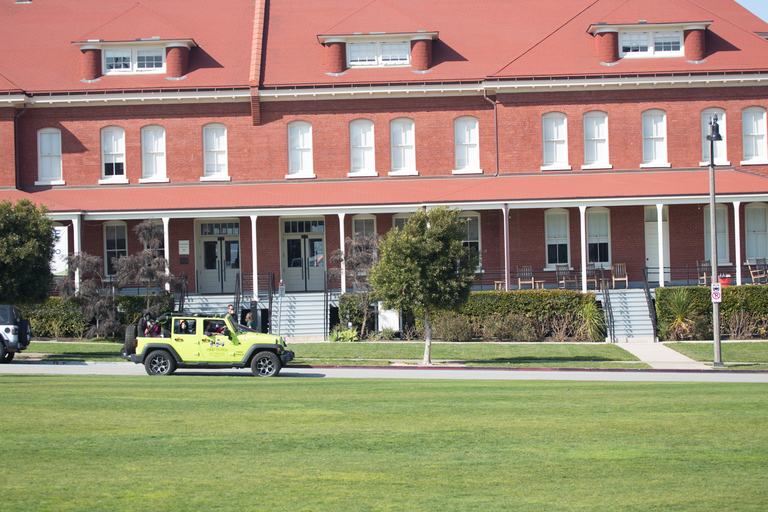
{"points": [[27, 242], [425, 266]]}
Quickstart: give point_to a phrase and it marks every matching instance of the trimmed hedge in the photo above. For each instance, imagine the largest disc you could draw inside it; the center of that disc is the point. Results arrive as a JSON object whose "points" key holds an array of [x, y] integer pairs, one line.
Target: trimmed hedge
{"points": [[751, 299], [531, 303], [55, 318]]}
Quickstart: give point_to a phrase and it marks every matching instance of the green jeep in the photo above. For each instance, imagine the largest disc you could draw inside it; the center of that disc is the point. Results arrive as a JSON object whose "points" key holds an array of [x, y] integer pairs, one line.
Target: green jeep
{"points": [[194, 341]]}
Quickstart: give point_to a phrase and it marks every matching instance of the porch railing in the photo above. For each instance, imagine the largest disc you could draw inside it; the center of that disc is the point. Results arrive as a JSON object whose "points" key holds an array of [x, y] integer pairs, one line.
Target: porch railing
{"points": [[607, 308], [649, 301]]}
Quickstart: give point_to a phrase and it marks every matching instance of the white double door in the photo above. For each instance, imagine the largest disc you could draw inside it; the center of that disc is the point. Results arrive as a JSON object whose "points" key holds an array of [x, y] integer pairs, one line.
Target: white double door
{"points": [[218, 255], [302, 247]]}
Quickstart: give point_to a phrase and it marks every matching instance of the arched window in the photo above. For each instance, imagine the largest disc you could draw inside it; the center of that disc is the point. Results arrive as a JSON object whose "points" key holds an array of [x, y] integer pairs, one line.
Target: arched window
{"points": [[721, 157], [153, 154], [403, 147], [49, 157], [654, 139], [555, 132], [300, 150], [466, 145], [596, 140], [754, 134], [113, 155], [361, 148], [215, 152]]}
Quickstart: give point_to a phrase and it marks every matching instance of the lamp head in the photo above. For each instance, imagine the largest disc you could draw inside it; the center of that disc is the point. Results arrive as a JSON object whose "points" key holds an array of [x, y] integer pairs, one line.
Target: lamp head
{"points": [[714, 129]]}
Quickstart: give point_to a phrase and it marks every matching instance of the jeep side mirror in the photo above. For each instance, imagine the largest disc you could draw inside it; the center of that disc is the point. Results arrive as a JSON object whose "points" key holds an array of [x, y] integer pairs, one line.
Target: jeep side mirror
{"points": [[226, 332]]}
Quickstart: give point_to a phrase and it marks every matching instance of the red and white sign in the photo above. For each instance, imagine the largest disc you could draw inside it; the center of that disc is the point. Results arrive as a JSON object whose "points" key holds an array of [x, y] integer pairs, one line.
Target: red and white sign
{"points": [[717, 294]]}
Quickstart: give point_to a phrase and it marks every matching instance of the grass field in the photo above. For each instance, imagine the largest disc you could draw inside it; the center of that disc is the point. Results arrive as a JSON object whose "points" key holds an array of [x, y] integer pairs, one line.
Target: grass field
{"points": [[230, 443], [754, 355]]}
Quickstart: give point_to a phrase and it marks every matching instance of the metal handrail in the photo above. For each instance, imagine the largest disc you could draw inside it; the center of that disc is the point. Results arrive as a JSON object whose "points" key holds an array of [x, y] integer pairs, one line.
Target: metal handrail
{"points": [[649, 301], [607, 308]]}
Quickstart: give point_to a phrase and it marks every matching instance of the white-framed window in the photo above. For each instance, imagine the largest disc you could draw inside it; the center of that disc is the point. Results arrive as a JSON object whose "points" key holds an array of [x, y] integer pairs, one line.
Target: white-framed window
{"points": [[756, 230], [654, 139], [647, 44], [557, 233], [113, 155], [134, 60], [153, 154], [555, 133], [115, 243], [378, 54], [300, 150], [215, 152], [466, 136], [599, 236], [721, 217], [754, 134], [403, 143], [363, 225], [49, 157], [361, 149], [721, 155], [596, 141], [472, 233], [399, 220]]}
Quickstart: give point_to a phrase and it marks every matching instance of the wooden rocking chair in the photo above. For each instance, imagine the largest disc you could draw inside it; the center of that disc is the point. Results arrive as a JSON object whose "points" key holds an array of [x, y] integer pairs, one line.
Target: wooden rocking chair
{"points": [[619, 273]]}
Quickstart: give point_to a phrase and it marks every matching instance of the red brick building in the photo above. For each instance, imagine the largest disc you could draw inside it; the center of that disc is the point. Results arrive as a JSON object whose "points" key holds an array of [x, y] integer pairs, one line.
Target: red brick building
{"points": [[262, 133]]}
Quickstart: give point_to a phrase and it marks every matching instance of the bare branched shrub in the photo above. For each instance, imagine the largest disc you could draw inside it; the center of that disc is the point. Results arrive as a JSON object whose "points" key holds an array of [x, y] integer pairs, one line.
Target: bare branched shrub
{"points": [[562, 327], [542, 324], [740, 325]]}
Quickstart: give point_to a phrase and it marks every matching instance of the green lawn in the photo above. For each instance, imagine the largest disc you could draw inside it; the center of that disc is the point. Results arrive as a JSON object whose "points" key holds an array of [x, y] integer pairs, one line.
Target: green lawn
{"points": [[565, 355], [289, 444], [753, 354]]}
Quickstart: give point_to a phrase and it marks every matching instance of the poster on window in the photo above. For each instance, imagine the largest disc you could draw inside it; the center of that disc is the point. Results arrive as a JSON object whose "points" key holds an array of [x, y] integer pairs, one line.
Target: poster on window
{"points": [[60, 251]]}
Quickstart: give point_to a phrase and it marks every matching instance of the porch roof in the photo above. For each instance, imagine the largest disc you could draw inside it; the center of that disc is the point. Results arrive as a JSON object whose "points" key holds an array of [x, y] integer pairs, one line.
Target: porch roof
{"points": [[572, 189]]}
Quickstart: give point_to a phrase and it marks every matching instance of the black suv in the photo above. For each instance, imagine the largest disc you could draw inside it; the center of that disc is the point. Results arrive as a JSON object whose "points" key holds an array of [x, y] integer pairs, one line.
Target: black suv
{"points": [[15, 333]]}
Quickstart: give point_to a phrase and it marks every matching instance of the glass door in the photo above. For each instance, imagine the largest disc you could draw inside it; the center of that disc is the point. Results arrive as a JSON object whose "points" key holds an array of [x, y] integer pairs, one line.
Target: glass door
{"points": [[303, 262], [218, 257]]}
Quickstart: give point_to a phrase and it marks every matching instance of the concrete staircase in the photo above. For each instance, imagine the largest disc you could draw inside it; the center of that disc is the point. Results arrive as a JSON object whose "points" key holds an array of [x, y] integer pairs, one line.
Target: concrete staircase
{"points": [[297, 316], [630, 316]]}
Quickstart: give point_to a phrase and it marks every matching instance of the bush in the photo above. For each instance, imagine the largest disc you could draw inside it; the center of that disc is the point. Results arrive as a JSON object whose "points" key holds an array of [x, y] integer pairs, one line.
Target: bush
{"points": [[351, 307], [452, 327], [511, 327], [340, 334]]}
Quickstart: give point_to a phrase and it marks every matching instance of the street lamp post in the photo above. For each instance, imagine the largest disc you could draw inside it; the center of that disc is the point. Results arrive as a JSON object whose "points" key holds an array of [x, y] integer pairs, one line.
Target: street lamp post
{"points": [[714, 134]]}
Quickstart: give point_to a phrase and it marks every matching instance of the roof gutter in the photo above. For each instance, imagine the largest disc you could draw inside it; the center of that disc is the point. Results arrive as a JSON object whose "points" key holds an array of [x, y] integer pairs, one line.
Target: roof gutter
{"points": [[495, 128]]}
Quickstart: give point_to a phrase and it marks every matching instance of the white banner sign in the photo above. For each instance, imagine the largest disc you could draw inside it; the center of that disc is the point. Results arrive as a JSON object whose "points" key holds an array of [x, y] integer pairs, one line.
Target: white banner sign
{"points": [[60, 251]]}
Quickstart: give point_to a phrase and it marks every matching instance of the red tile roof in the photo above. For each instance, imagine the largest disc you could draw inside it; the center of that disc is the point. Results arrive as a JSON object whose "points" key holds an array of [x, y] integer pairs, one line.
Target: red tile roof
{"points": [[544, 188], [38, 54]]}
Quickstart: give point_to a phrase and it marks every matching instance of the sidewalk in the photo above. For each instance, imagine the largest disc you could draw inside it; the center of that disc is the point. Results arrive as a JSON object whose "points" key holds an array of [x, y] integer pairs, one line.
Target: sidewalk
{"points": [[660, 357]]}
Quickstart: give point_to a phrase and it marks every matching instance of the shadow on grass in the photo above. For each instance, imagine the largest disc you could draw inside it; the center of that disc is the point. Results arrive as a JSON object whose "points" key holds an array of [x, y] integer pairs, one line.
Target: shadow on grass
{"points": [[82, 356], [520, 360]]}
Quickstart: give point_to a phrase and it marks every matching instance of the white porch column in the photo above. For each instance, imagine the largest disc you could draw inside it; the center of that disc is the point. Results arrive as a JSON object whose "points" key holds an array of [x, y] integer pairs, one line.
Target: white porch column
{"points": [[737, 239], [660, 237], [77, 246], [167, 249], [254, 258], [583, 227], [505, 212], [342, 237]]}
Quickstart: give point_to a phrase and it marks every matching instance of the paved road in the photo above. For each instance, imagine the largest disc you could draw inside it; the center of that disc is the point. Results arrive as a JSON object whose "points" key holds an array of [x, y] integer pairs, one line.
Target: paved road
{"points": [[119, 368]]}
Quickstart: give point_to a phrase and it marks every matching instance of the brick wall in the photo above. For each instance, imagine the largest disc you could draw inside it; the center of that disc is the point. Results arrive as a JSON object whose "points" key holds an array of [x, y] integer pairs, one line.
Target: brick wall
{"points": [[7, 147]]}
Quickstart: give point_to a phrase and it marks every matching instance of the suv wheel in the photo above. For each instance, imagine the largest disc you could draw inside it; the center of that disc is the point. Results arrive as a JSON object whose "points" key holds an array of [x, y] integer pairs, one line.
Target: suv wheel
{"points": [[265, 364], [129, 347], [8, 357], [160, 362], [5, 356]]}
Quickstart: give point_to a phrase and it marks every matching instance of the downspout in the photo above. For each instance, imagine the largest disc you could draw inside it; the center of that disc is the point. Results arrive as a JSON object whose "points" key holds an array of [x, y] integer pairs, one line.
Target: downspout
{"points": [[495, 128], [16, 145]]}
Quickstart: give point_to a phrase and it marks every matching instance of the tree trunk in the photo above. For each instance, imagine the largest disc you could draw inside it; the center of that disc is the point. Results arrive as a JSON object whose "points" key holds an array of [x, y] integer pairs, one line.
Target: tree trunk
{"points": [[427, 340]]}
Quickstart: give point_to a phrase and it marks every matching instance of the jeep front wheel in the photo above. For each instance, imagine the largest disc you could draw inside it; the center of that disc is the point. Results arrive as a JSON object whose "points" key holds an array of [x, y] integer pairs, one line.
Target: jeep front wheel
{"points": [[265, 364], [160, 362]]}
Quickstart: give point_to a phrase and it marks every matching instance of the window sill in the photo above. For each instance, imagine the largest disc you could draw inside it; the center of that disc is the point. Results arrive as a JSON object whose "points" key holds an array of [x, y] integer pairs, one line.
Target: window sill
{"points": [[596, 166], [706, 164], [754, 162], [556, 167], [362, 174], [467, 171], [49, 183], [154, 180], [404, 173], [652, 165], [300, 176], [114, 181], [215, 178]]}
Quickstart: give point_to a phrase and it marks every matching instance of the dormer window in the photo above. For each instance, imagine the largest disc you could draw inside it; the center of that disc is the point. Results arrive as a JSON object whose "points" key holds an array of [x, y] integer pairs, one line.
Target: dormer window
{"points": [[635, 44], [134, 61], [379, 54]]}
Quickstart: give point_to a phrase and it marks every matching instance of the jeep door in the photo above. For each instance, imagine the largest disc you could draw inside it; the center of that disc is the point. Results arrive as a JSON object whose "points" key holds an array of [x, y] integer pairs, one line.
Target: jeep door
{"points": [[185, 337]]}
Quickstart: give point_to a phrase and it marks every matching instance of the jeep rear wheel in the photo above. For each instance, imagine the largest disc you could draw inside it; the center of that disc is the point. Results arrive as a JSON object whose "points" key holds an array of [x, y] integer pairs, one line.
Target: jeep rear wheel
{"points": [[265, 364], [8, 357], [5, 356], [160, 362]]}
